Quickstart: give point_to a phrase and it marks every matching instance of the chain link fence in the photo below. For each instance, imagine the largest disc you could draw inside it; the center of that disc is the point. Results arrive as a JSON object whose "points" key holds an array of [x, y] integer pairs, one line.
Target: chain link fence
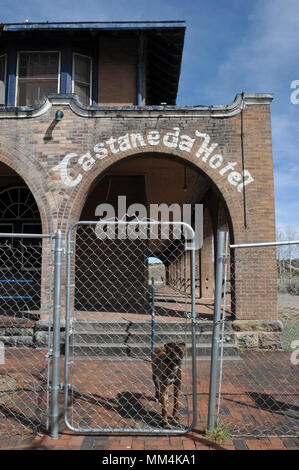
{"points": [[135, 336], [24, 337], [258, 393], [130, 334]]}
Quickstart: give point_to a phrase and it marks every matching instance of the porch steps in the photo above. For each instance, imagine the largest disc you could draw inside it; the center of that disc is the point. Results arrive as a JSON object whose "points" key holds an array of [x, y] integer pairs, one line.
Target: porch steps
{"points": [[117, 340]]}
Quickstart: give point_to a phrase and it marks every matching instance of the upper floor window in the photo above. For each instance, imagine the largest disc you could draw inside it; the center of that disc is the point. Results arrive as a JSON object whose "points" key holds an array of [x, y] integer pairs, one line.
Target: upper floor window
{"points": [[2, 78], [82, 78], [38, 74]]}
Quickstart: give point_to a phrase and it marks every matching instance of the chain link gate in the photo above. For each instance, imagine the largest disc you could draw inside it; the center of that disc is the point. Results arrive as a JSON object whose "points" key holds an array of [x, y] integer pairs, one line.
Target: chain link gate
{"points": [[257, 395], [125, 296], [25, 337]]}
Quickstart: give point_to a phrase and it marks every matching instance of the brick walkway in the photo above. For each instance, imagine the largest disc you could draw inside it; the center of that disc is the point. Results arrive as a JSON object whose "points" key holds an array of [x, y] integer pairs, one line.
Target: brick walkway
{"points": [[193, 441], [248, 404]]}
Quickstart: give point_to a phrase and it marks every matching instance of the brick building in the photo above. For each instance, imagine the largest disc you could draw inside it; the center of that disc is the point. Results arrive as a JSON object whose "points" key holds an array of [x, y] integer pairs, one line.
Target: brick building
{"points": [[88, 112]]}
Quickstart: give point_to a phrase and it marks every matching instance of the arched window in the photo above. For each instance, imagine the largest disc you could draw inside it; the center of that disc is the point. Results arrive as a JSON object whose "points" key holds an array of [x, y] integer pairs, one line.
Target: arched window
{"points": [[19, 214], [18, 203]]}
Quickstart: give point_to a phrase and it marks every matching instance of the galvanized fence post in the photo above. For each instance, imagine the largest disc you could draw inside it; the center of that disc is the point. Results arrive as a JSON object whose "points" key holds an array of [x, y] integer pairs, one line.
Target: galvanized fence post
{"points": [[193, 326], [216, 331], [153, 317], [222, 326], [56, 337]]}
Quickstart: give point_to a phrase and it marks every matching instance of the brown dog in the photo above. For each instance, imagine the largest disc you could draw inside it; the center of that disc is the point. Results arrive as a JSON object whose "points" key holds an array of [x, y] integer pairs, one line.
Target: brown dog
{"points": [[167, 370]]}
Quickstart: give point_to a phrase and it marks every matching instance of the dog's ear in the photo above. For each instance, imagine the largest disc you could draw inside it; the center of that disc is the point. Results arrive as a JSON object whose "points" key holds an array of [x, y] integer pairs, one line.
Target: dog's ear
{"points": [[169, 346], [173, 346], [159, 351]]}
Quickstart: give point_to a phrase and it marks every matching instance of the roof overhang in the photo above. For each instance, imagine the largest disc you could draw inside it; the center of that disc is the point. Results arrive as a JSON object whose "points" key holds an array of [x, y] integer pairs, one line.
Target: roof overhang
{"points": [[89, 25], [164, 45]]}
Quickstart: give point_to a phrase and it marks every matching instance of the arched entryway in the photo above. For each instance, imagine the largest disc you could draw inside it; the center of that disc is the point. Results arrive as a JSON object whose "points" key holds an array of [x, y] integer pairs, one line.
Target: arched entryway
{"points": [[155, 179], [21, 258], [118, 315]]}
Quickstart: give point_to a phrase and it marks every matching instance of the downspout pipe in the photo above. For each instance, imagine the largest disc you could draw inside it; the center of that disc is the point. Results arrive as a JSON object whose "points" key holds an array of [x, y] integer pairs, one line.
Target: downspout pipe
{"points": [[243, 162], [140, 70]]}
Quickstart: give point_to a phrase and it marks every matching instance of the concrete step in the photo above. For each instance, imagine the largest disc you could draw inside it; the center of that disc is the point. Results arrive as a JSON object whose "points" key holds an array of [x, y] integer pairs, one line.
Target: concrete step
{"points": [[104, 340], [144, 338], [202, 326], [138, 351]]}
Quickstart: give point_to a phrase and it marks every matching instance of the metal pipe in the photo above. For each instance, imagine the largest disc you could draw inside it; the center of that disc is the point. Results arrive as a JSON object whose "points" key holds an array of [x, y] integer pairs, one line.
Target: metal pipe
{"points": [[153, 317], [49, 354], [26, 235], [223, 324], [216, 331], [56, 337], [140, 71], [243, 161], [193, 333], [67, 322], [187, 229], [249, 245]]}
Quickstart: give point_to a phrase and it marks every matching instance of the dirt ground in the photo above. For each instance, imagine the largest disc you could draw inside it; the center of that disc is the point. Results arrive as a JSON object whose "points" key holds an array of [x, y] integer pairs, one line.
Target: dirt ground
{"points": [[288, 301]]}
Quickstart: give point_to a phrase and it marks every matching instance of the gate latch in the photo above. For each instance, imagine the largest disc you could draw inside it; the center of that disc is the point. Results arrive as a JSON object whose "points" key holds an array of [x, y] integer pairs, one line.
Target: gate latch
{"points": [[48, 354], [61, 386]]}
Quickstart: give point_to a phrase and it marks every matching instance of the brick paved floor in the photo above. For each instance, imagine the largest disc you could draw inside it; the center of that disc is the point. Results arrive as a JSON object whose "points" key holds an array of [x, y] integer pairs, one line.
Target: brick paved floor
{"points": [[258, 397], [194, 441]]}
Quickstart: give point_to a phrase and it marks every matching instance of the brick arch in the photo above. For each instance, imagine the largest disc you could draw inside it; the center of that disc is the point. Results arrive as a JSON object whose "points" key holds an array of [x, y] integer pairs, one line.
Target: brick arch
{"points": [[232, 199], [29, 169]]}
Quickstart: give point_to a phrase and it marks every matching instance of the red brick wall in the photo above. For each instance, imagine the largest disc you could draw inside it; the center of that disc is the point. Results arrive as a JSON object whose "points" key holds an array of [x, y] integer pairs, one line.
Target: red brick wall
{"points": [[33, 146], [118, 58]]}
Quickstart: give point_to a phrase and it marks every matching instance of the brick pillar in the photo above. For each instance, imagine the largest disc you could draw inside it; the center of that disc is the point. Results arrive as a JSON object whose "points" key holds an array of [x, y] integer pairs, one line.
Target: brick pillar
{"points": [[207, 263], [222, 226], [254, 283], [167, 274], [47, 270]]}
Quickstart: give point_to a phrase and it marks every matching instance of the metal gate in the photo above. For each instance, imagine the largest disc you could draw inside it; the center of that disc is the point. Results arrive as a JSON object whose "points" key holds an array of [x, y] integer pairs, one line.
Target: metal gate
{"points": [[130, 302]]}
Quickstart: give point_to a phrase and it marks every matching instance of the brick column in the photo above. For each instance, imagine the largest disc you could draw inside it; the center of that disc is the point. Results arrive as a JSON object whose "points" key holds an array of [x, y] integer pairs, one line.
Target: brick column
{"points": [[207, 264]]}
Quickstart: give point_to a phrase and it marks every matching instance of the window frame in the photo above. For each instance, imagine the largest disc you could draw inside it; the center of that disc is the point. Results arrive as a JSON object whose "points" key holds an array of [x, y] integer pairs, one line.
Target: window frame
{"points": [[5, 76], [36, 52], [90, 74]]}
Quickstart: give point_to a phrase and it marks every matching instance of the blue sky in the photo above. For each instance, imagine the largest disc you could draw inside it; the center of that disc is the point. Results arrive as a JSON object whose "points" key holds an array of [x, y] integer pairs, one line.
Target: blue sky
{"points": [[230, 46]]}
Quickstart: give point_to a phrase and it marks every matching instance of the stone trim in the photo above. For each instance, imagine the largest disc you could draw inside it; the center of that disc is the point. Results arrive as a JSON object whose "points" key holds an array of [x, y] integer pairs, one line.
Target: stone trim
{"points": [[249, 334], [258, 334], [35, 335], [129, 112]]}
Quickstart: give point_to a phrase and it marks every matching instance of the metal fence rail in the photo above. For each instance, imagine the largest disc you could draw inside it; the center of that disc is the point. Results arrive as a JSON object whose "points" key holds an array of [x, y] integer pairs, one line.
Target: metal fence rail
{"points": [[258, 394], [110, 327], [25, 341]]}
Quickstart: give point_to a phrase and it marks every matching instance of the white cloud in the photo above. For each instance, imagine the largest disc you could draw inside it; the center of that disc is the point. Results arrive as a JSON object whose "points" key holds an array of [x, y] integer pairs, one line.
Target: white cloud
{"points": [[265, 54], [265, 59], [285, 136]]}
